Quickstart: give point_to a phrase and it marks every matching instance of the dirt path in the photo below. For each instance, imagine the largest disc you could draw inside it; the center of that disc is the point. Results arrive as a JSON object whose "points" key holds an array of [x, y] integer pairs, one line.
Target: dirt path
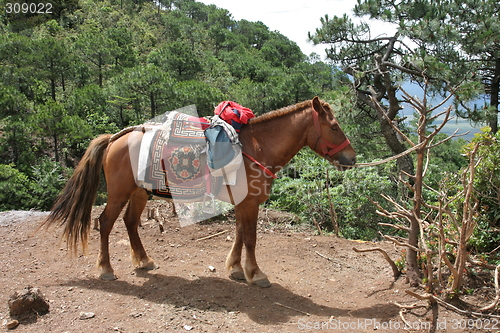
{"points": [[353, 293]]}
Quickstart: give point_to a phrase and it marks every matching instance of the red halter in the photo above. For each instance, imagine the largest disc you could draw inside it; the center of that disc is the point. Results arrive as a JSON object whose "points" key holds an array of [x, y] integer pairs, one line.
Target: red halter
{"points": [[325, 144]]}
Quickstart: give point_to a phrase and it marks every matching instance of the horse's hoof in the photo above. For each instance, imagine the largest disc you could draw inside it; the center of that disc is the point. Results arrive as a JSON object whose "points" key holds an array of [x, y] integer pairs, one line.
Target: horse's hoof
{"points": [[237, 275], [108, 277], [264, 283], [150, 266]]}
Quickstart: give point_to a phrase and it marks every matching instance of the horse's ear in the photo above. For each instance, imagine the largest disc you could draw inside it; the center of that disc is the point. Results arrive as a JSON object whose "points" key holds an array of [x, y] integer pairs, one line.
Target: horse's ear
{"points": [[316, 104]]}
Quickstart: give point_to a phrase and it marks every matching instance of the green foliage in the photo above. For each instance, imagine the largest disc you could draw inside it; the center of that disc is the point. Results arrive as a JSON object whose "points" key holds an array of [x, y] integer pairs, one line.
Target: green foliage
{"points": [[487, 187], [454, 38], [357, 214], [96, 67], [15, 189], [47, 182], [303, 189], [18, 190]]}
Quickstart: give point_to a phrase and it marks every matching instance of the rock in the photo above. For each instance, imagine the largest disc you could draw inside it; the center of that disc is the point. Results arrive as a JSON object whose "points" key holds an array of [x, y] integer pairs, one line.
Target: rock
{"points": [[29, 300], [86, 315], [211, 268], [12, 324]]}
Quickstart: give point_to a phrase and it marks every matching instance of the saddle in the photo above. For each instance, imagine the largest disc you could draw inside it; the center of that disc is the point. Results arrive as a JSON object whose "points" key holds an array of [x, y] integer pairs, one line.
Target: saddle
{"points": [[172, 159]]}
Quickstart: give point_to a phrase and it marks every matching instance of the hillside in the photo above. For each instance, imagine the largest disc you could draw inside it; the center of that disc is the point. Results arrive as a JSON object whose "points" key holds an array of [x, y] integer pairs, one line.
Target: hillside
{"points": [[93, 67], [316, 280]]}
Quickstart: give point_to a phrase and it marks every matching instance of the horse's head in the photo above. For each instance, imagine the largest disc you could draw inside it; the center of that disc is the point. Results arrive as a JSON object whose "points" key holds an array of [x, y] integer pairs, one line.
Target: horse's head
{"points": [[327, 139]]}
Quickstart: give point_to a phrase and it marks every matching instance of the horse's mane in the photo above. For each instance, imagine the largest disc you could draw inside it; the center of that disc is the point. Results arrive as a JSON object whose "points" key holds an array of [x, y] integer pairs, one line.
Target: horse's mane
{"points": [[285, 111]]}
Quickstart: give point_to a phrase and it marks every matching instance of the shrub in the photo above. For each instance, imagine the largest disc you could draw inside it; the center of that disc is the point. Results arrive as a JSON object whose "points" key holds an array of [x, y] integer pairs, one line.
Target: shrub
{"points": [[303, 189], [19, 191], [16, 190]]}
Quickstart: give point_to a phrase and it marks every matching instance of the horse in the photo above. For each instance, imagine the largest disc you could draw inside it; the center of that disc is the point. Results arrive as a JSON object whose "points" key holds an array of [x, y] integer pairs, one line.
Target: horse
{"points": [[268, 142]]}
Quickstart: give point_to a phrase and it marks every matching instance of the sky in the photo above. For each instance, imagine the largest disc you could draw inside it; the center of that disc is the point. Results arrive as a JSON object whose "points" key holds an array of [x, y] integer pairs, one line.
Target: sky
{"points": [[295, 18], [292, 18]]}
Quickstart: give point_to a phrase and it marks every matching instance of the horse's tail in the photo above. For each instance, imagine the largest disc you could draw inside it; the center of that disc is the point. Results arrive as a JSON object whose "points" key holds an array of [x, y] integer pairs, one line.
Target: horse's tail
{"points": [[73, 207]]}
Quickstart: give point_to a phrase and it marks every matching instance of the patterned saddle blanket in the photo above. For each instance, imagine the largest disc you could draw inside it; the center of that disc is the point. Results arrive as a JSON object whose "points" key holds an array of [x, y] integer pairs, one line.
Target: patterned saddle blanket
{"points": [[172, 159]]}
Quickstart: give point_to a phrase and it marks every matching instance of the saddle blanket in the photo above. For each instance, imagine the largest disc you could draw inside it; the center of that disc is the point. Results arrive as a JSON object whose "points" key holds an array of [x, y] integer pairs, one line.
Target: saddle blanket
{"points": [[172, 159]]}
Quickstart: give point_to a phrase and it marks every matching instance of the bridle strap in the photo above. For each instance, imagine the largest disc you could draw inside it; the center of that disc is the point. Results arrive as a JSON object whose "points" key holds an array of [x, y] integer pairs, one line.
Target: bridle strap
{"points": [[327, 148], [266, 170]]}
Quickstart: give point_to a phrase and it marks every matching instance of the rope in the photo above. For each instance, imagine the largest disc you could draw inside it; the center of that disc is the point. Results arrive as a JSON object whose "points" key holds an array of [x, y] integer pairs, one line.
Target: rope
{"points": [[392, 158]]}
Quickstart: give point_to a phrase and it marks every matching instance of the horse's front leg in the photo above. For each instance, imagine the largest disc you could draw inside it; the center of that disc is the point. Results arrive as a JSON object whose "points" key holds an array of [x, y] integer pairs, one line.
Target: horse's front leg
{"points": [[233, 261], [246, 216]]}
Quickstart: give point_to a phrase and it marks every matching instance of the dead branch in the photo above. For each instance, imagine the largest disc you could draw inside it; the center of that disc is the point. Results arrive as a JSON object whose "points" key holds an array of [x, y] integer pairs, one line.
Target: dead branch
{"points": [[407, 174], [410, 307], [454, 135], [427, 297], [395, 270], [395, 241], [433, 300], [481, 263], [338, 262], [290, 308], [211, 236], [427, 160], [333, 213], [392, 158], [395, 226], [497, 292], [431, 119], [317, 225], [401, 312], [427, 252], [468, 223], [443, 123], [389, 120], [496, 248]]}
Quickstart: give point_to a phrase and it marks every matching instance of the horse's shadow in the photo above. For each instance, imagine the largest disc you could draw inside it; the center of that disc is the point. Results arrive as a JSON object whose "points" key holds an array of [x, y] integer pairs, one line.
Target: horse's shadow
{"points": [[265, 306]]}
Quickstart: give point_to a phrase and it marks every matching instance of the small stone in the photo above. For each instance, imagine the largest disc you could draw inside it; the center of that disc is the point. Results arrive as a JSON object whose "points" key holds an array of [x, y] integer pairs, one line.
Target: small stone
{"points": [[86, 315], [211, 268], [136, 314], [188, 328], [12, 324]]}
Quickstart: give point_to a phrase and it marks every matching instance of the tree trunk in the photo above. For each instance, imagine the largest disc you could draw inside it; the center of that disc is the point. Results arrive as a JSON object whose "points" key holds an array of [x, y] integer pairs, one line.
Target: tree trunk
{"points": [[52, 81], [495, 87], [56, 152], [404, 163], [99, 67], [63, 82], [153, 104], [53, 89], [413, 274]]}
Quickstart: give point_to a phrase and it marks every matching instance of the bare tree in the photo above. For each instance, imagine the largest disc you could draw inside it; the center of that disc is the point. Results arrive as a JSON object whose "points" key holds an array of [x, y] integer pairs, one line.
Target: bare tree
{"points": [[413, 218]]}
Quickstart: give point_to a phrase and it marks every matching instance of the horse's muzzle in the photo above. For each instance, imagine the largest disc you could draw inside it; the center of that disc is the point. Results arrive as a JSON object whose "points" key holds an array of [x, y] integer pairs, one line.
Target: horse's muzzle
{"points": [[343, 164]]}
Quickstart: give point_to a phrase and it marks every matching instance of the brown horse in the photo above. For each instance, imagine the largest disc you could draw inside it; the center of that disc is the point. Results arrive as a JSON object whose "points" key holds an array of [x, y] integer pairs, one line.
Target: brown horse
{"points": [[271, 140]]}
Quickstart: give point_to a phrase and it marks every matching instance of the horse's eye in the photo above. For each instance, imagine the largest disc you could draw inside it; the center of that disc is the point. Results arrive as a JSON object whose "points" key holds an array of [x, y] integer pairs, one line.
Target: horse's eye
{"points": [[335, 127]]}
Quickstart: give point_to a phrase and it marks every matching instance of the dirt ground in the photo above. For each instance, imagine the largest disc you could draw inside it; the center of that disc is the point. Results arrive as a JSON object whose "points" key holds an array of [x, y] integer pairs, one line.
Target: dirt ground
{"points": [[351, 292]]}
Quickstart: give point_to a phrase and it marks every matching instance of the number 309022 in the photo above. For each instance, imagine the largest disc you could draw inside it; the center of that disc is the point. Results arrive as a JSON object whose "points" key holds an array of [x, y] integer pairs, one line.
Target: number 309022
{"points": [[28, 8]]}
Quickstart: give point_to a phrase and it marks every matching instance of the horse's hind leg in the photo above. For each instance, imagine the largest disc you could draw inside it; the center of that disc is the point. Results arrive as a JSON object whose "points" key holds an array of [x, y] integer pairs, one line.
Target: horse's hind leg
{"points": [[107, 220], [132, 220]]}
